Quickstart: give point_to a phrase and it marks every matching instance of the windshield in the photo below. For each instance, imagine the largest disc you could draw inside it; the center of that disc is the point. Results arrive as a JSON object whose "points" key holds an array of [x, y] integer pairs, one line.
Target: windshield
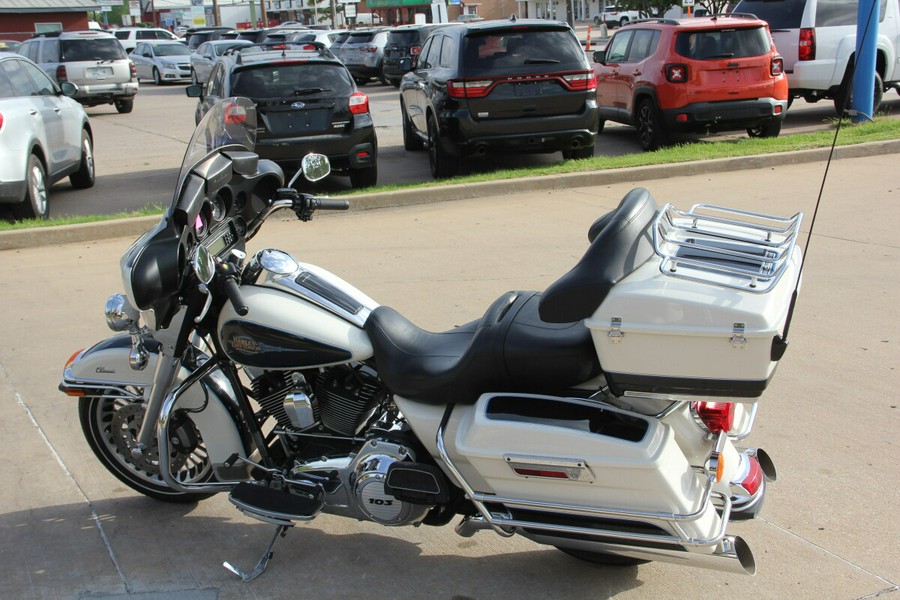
{"points": [[231, 121], [176, 49]]}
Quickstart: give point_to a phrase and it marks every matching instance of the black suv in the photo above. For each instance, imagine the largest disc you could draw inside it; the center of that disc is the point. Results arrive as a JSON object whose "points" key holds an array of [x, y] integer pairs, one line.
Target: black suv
{"points": [[306, 102], [405, 41], [511, 86]]}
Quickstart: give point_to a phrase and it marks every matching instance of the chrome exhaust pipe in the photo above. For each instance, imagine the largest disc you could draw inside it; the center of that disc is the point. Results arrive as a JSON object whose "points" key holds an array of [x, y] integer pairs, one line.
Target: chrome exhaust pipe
{"points": [[731, 555]]}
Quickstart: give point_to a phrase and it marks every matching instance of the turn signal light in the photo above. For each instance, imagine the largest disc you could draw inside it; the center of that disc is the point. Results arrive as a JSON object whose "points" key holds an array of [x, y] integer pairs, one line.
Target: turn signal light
{"points": [[717, 416], [777, 66], [676, 73], [541, 473]]}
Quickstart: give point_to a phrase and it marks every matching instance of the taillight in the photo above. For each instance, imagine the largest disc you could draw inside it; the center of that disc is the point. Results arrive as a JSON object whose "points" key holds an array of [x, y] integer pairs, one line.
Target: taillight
{"points": [[415, 50], [61, 73], [235, 114], [370, 49], [469, 89], [716, 416], [1, 121], [581, 81], [676, 73], [777, 66], [754, 477], [133, 70], [807, 48], [359, 103]]}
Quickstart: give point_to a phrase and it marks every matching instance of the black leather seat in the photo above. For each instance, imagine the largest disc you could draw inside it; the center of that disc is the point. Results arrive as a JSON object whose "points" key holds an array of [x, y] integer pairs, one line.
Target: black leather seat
{"points": [[526, 341]]}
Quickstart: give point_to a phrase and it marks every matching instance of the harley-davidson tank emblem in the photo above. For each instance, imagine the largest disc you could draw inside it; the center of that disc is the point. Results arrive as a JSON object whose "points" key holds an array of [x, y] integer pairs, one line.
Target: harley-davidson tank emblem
{"points": [[245, 345]]}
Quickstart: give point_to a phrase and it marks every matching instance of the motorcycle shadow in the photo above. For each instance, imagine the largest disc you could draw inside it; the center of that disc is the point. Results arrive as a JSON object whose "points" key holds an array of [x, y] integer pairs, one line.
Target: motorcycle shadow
{"points": [[150, 546]]}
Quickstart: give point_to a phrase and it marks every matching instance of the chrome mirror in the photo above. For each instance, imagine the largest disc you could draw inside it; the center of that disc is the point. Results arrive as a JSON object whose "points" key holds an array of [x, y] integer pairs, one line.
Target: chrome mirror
{"points": [[204, 264], [315, 166]]}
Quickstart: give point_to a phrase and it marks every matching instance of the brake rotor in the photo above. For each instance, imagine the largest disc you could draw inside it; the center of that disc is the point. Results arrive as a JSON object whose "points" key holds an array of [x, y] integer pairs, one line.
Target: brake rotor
{"points": [[124, 428]]}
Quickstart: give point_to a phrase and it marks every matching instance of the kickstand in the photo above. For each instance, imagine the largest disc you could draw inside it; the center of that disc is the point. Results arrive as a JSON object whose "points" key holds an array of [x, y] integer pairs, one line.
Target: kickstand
{"points": [[280, 531]]}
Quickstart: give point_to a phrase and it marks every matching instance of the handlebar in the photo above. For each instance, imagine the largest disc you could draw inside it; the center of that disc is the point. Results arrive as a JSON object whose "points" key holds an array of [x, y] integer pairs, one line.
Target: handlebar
{"points": [[229, 284], [324, 203]]}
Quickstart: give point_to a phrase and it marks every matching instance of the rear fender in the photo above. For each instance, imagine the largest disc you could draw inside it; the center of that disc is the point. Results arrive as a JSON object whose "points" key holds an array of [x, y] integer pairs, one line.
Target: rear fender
{"points": [[106, 365]]}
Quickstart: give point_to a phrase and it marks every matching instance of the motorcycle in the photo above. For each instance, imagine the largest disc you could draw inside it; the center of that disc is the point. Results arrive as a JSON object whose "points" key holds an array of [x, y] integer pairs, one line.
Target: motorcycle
{"points": [[603, 416]]}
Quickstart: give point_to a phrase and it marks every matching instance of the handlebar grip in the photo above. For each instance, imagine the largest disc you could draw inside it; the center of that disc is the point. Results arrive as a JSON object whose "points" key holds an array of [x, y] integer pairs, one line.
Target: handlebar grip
{"points": [[233, 291], [330, 204]]}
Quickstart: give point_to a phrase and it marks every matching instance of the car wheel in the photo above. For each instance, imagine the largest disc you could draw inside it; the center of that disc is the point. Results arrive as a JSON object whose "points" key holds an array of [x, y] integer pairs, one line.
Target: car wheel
{"points": [[84, 176], [364, 178], [596, 20], [578, 153], [156, 77], [396, 83], [35, 204], [125, 106], [411, 141], [767, 130], [649, 126], [382, 77], [194, 78], [623, 22], [442, 164], [844, 96], [361, 81]]}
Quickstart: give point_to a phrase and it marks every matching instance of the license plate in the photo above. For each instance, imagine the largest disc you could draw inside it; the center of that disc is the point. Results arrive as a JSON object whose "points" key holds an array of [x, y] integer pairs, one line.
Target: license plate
{"points": [[527, 90], [99, 72]]}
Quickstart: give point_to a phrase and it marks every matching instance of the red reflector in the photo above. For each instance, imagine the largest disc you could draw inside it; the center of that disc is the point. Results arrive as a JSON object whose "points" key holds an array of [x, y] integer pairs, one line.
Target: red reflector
{"points": [[362, 154], [754, 478], [541, 473], [777, 67], [717, 416], [359, 103], [807, 48], [682, 118], [778, 109]]}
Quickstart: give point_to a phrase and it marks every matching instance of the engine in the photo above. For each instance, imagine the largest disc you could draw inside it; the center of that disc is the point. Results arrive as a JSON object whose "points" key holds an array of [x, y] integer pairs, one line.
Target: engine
{"points": [[368, 478]]}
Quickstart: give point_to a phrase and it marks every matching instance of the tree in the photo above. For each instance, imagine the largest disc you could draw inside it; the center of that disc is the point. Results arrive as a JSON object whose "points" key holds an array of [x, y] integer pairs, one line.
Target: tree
{"points": [[648, 8]]}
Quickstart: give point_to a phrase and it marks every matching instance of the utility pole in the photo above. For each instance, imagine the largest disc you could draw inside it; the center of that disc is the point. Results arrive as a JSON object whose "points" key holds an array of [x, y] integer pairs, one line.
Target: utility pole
{"points": [[863, 99], [216, 19], [263, 16]]}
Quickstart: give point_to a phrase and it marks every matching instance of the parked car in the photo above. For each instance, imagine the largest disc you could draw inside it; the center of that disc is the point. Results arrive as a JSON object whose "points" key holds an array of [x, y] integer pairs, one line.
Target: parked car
{"points": [[363, 53], [9, 45], [130, 37], [306, 102], [206, 55], [45, 136], [258, 36], [693, 75], [817, 39], [614, 16], [325, 37], [404, 42], [338, 42], [197, 35], [510, 86], [93, 60], [163, 62]]}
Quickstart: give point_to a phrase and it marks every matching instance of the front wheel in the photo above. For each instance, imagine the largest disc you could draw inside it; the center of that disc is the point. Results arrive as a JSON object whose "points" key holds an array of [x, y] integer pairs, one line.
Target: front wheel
{"points": [[111, 423], [156, 77]]}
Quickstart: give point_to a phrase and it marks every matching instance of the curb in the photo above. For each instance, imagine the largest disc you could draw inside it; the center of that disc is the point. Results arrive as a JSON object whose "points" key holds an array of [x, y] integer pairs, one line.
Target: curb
{"points": [[87, 232]]}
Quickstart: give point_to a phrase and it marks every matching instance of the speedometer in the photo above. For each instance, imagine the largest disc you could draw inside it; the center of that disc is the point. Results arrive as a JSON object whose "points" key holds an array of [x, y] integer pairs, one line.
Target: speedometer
{"points": [[218, 208]]}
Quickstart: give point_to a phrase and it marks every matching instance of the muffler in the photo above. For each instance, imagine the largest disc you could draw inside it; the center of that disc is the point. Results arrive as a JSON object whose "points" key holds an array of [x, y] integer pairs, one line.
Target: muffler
{"points": [[732, 554]]}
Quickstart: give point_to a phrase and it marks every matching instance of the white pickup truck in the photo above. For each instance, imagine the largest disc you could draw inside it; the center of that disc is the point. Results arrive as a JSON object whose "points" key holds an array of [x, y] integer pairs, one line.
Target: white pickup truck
{"points": [[817, 39]]}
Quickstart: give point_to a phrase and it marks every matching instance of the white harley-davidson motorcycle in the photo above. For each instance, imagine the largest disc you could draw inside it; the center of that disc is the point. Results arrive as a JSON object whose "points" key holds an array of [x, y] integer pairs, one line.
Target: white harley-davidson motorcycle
{"points": [[603, 416]]}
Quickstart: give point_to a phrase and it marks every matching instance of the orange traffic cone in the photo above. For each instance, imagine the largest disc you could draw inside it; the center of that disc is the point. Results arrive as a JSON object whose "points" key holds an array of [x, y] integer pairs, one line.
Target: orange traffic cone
{"points": [[587, 47]]}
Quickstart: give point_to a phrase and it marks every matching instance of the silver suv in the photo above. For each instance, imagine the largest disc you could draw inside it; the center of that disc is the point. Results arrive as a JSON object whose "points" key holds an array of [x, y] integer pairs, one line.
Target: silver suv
{"points": [[94, 61], [817, 39]]}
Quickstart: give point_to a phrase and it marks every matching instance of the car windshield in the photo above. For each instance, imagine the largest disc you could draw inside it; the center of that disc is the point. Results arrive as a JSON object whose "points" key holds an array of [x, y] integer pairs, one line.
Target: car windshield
{"points": [[403, 38], [724, 43], [292, 80], [229, 122], [489, 50], [96, 49], [172, 50]]}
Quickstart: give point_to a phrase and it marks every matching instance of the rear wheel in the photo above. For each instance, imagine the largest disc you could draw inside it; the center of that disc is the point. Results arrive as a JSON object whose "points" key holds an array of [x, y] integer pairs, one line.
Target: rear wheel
{"points": [[382, 77], [768, 130], [111, 423], [649, 126], [364, 178], [601, 558], [845, 95], [84, 176], [578, 153], [125, 105], [35, 204], [442, 163]]}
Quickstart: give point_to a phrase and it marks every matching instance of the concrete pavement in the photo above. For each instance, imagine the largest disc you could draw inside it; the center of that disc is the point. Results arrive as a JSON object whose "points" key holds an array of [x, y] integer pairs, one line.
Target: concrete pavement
{"points": [[830, 419]]}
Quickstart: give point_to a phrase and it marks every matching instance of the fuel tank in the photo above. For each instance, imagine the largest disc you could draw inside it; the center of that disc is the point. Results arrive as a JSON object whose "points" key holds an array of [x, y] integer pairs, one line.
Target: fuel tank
{"points": [[299, 317]]}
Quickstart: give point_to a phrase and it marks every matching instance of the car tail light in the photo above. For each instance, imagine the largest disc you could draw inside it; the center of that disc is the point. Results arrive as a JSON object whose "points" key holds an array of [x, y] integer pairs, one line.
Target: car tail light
{"points": [[716, 416], [359, 103], [807, 49], [61, 74], [415, 50], [235, 114], [478, 88], [777, 66], [676, 73], [1, 121], [370, 49], [133, 71], [586, 81]]}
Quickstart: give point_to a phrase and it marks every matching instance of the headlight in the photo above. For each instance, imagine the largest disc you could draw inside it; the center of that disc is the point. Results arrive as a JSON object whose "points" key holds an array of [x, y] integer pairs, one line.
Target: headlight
{"points": [[116, 316]]}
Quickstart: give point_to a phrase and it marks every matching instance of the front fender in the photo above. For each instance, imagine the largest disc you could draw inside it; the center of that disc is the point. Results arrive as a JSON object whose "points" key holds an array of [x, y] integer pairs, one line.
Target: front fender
{"points": [[105, 366]]}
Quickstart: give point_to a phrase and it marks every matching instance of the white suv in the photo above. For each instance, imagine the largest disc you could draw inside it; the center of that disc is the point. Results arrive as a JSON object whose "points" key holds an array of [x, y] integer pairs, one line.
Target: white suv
{"points": [[614, 16], [817, 39], [130, 36]]}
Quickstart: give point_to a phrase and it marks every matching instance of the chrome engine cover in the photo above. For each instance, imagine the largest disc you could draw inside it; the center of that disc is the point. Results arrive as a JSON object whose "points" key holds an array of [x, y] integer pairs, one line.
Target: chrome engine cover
{"points": [[368, 477]]}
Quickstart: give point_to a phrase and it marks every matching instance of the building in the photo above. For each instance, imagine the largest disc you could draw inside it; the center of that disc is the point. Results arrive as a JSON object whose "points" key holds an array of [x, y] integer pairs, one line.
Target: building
{"points": [[21, 19]]}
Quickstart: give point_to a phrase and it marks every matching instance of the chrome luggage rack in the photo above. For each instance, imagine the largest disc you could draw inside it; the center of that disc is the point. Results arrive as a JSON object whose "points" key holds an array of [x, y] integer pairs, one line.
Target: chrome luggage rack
{"points": [[724, 246]]}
